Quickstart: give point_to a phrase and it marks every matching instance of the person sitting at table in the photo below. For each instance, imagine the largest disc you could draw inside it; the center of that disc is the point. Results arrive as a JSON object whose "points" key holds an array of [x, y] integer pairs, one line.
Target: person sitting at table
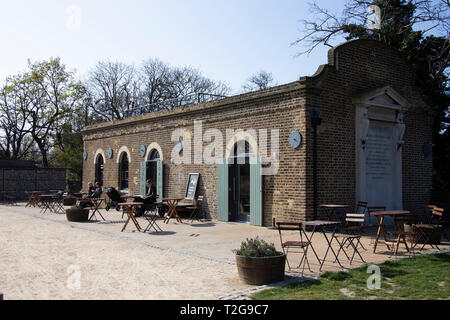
{"points": [[95, 194], [149, 199], [97, 191], [91, 188]]}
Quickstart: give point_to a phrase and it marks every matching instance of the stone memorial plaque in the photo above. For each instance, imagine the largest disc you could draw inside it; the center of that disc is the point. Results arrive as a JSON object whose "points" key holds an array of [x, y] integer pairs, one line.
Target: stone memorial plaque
{"points": [[380, 164]]}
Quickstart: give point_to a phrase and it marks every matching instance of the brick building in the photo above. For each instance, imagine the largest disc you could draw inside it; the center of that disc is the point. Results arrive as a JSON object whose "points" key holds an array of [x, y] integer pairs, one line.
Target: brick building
{"points": [[372, 143]]}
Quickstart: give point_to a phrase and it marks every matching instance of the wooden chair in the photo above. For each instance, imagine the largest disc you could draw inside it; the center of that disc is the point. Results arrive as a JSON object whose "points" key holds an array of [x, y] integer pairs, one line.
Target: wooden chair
{"points": [[403, 235], [437, 215], [374, 209], [425, 231], [289, 245], [196, 209], [353, 228]]}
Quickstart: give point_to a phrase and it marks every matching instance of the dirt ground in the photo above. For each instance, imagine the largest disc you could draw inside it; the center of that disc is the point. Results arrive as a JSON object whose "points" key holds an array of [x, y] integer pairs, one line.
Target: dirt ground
{"points": [[42, 256]]}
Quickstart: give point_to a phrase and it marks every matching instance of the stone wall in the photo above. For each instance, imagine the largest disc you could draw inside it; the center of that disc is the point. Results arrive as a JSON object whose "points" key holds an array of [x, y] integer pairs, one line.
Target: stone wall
{"points": [[21, 180]]}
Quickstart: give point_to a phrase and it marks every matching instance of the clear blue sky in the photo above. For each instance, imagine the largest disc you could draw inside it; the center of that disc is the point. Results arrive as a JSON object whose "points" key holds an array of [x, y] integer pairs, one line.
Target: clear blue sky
{"points": [[226, 40]]}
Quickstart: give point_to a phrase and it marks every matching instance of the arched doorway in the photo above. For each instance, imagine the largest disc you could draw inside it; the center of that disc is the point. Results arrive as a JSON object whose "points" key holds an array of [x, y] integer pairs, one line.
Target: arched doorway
{"points": [[99, 169], [152, 167], [239, 182], [231, 191], [123, 171]]}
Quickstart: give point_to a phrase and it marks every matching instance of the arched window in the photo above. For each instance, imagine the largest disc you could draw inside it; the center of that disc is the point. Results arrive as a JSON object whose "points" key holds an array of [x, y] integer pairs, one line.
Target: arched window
{"points": [[99, 168], [123, 172], [154, 155], [242, 149]]}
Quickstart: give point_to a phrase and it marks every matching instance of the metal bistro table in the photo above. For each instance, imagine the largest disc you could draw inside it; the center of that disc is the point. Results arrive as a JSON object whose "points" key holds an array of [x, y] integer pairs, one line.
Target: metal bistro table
{"points": [[380, 215], [97, 203], [47, 202], [320, 225], [332, 213]]}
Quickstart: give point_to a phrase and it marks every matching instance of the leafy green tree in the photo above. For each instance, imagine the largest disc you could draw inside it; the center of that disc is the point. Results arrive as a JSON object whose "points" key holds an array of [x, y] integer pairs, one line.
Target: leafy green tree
{"points": [[68, 152], [55, 99]]}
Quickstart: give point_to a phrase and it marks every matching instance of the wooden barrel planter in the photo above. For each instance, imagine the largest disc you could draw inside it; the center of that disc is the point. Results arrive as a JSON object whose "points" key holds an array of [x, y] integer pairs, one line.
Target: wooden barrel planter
{"points": [[259, 271], [69, 201], [77, 215]]}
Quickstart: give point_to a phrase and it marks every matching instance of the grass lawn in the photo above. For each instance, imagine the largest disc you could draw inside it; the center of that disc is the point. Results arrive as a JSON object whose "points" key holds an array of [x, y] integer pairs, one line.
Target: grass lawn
{"points": [[420, 277]]}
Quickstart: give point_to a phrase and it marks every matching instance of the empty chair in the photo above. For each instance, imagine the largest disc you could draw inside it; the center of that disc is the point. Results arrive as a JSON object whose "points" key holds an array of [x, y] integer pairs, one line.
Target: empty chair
{"points": [[351, 234], [197, 209], [402, 234], [288, 246], [426, 232]]}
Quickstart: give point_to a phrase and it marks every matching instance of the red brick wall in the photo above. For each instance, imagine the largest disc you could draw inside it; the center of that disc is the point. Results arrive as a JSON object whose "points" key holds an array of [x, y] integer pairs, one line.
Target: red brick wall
{"points": [[356, 67], [352, 68]]}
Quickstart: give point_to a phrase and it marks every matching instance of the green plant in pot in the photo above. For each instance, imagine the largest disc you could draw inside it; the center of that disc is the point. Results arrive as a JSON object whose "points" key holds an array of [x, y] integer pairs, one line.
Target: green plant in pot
{"points": [[77, 214], [259, 262]]}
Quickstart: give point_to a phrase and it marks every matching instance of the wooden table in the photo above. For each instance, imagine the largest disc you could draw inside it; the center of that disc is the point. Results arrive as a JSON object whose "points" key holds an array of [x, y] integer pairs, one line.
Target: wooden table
{"points": [[380, 215], [32, 198], [172, 213], [333, 208], [130, 209]]}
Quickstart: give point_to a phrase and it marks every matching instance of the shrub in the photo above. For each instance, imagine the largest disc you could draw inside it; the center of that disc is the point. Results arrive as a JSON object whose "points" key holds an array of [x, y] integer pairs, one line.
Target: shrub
{"points": [[257, 248]]}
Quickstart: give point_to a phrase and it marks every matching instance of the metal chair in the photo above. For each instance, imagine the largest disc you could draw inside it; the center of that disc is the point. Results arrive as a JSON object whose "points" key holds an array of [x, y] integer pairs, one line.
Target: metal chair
{"points": [[151, 214], [289, 245], [351, 233]]}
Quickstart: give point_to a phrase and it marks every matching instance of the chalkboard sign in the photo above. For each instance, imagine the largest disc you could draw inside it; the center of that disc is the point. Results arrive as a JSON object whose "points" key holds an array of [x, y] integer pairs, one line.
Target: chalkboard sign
{"points": [[192, 185]]}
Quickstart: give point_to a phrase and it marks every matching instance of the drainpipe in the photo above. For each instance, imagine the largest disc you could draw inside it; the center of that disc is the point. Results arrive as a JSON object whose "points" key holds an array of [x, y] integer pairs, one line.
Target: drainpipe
{"points": [[315, 121]]}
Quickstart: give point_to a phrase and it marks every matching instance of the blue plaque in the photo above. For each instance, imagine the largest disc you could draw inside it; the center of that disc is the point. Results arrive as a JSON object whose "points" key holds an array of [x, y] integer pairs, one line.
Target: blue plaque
{"points": [[142, 150]]}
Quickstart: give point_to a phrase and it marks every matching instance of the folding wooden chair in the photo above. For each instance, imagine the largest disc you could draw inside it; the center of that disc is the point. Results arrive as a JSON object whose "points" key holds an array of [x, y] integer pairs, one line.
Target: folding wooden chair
{"points": [[197, 209], [351, 233], [289, 245], [402, 235], [424, 231], [369, 211]]}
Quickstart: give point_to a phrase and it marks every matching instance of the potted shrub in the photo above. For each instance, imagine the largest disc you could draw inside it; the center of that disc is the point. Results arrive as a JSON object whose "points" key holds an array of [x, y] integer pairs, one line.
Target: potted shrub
{"points": [[259, 262], [77, 214]]}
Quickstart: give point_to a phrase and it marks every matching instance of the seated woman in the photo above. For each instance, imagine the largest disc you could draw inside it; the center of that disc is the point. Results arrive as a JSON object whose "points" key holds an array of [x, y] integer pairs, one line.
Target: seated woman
{"points": [[149, 199], [91, 188], [96, 193]]}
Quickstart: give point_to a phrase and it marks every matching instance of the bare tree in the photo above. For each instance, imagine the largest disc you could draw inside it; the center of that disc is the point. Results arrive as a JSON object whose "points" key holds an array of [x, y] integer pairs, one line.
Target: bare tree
{"points": [[154, 76], [161, 82], [328, 27], [259, 81], [114, 89]]}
